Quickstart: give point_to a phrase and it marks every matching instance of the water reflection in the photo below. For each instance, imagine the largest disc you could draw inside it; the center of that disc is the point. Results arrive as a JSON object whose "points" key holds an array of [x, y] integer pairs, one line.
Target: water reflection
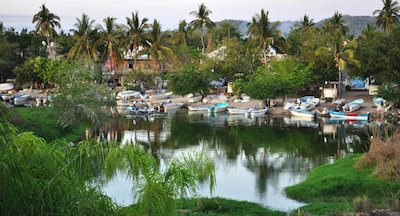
{"points": [[255, 158]]}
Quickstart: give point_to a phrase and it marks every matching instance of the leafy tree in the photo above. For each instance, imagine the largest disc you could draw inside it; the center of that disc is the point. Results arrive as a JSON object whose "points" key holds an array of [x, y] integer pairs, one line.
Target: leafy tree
{"points": [[189, 80], [8, 57], [263, 34], [85, 36], [45, 25], [282, 78], [137, 34], [388, 16], [307, 22], [202, 22]]}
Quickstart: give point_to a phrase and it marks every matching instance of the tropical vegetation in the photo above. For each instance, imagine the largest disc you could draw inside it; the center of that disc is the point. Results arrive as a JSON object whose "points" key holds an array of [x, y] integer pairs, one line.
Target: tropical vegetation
{"points": [[264, 63]]}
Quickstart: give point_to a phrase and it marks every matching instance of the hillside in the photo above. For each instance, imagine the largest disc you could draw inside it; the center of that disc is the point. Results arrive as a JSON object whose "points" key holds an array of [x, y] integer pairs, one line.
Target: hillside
{"points": [[355, 23]]}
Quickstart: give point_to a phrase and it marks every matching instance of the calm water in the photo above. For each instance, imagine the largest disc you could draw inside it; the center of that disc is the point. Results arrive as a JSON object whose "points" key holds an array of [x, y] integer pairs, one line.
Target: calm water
{"points": [[255, 158]]}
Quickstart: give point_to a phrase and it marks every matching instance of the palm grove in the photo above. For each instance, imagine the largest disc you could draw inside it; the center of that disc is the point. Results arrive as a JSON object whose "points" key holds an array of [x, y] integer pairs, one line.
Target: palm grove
{"points": [[311, 55]]}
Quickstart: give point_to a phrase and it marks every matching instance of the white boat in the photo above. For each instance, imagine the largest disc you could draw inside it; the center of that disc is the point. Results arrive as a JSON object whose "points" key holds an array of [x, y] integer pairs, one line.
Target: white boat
{"points": [[21, 99], [237, 111], [257, 112], [303, 103], [303, 113], [353, 105], [379, 102], [127, 95], [4, 87], [7, 97], [160, 96], [195, 99], [168, 105], [199, 108]]}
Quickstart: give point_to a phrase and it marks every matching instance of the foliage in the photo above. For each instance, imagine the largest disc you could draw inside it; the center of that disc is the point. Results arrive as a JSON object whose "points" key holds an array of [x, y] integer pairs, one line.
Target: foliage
{"points": [[390, 92], [43, 123], [7, 57], [378, 56], [81, 100], [189, 80], [31, 185], [283, 78], [383, 155]]}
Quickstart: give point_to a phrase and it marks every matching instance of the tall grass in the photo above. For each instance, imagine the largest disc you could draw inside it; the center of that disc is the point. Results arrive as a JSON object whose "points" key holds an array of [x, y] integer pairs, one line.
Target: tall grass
{"points": [[384, 156]]}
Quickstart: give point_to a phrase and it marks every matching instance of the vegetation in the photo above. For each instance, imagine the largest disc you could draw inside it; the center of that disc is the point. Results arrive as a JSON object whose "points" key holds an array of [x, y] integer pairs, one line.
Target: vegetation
{"points": [[264, 65]]}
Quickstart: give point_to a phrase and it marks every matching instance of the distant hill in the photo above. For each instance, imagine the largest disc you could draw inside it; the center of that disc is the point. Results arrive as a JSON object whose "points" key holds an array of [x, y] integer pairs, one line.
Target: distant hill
{"points": [[355, 23]]}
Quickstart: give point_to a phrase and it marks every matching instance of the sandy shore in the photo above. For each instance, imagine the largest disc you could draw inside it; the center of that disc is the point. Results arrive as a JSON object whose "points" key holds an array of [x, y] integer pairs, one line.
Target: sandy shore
{"points": [[367, 107]]}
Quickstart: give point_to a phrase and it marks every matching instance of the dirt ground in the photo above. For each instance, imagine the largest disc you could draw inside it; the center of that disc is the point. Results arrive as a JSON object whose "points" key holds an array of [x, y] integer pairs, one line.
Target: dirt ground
{"points": [[367, 107]]}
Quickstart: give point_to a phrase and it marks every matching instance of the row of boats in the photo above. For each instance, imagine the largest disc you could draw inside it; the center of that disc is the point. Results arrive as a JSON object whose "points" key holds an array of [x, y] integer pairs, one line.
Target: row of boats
{"points": [[224, 107]]}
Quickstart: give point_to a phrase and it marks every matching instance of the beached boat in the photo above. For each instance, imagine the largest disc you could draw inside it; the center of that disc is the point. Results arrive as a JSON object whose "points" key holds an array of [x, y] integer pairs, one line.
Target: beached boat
{"points": [[4, 87], [379, 102], [353, 105], [127, 95], [348, 115], [254, 112], [21, 99], [303, 113], [218, 107], [168, 105], [237, 111], [160, 96], [303, 103], [204, 108]]}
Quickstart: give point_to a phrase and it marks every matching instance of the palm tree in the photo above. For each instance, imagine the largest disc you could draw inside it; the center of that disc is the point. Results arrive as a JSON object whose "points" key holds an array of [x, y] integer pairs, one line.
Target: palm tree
{"points": [[136, 33], [389, 16], [85, 36], [201, 22], [307, 22], [180, 36], [111, 37], [156, 39], [368, 32], [263, 34], [336, 23], [45, 26]]}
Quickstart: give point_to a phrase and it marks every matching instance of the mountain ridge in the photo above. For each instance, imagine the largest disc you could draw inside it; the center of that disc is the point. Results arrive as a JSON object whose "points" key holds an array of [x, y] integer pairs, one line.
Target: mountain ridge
{"points": [[356, 24]]}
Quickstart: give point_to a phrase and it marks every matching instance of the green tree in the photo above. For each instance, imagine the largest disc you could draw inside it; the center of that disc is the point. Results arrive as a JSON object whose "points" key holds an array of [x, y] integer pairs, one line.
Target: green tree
{"points": [[137, 34], [189, 80], [307, 22], [157, 50], [180, 36], [111, 39], [202, 22], [263, 34], [388, 16], [45, 26], [85, 36]]}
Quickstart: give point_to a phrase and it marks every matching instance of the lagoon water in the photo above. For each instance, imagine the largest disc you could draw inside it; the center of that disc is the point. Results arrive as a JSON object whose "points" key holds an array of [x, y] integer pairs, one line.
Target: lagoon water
{"points": [[255, 158]]}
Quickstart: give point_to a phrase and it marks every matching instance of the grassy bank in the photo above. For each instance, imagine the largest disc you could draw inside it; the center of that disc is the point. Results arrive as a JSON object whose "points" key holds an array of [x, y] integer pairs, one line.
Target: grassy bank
{"points": [[340, 187], [43, 123]]}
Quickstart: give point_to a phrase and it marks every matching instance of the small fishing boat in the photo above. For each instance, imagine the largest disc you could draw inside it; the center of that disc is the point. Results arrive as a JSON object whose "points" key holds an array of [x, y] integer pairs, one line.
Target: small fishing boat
{"points": [[218, 107], [254, 112], [169, 105], [199, 108], [21, 99], [379, 102], [353, 105], [127, 95], [303, 113], [348, 115], [237, 111]]}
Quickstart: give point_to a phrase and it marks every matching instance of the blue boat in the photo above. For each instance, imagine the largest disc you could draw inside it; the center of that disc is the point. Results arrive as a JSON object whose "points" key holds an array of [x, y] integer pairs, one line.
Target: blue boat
{"points": [[348, 115], [218, 107]]}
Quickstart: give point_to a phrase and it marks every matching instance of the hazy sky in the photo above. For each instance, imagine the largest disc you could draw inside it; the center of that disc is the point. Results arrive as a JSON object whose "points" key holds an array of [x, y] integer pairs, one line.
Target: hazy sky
{"points": [[19, 13]]}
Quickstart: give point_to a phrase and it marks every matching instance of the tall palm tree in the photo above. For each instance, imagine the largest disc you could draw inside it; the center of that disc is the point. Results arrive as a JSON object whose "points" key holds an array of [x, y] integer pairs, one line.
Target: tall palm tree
{"points": [[202, 22], [368, 32], [337, 23], [85, 36], [137, 34], [45, 26], [389, 15], [157, 50], [180, 36], [307, 22], [263, 34], [111, 36]]}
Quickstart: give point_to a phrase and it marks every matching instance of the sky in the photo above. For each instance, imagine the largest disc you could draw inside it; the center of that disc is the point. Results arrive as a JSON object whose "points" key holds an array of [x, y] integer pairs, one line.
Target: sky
{"points": [[19, 13]]}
